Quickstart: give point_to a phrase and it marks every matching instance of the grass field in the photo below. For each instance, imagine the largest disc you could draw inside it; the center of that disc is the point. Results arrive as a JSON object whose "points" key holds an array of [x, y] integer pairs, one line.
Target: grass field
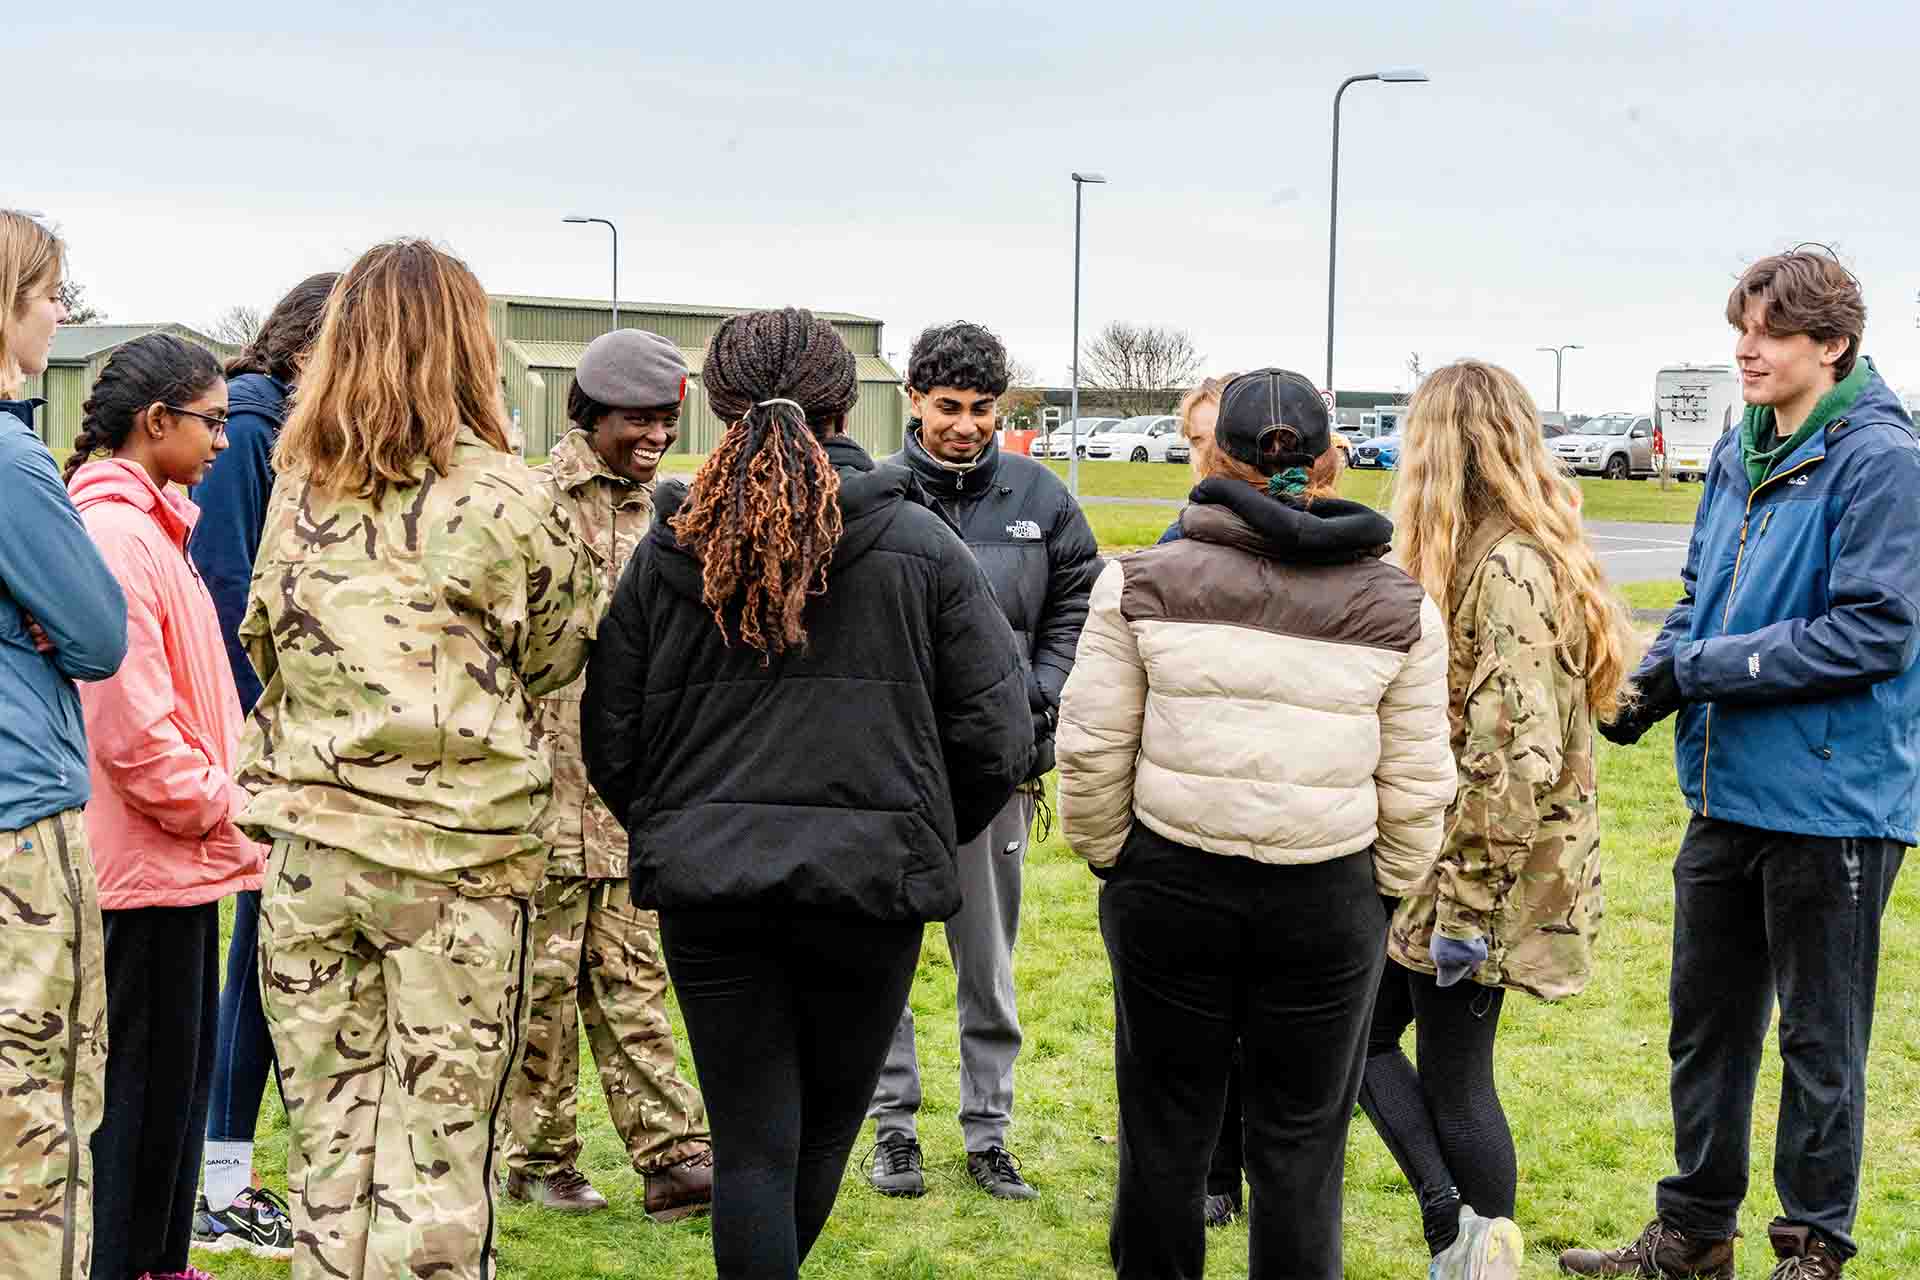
{"points": [[1640, 501], [1584, 1082]]}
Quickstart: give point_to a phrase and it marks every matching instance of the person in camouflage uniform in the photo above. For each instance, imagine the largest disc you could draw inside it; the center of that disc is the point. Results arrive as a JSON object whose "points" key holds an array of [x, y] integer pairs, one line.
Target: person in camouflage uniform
{"points": [[416, 589], [63, 617], [594, 953], [1537, 645]]}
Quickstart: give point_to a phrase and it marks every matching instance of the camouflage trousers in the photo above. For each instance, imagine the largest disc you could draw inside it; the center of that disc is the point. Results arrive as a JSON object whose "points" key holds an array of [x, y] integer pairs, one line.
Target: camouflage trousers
{"points": [[53, 1048], [396, 1007], [596, 955]]}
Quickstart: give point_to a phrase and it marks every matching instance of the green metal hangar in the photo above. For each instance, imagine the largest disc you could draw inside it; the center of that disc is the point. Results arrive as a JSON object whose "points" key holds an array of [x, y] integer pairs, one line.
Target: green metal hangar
{"points": [[80, 352], [541, 341]]}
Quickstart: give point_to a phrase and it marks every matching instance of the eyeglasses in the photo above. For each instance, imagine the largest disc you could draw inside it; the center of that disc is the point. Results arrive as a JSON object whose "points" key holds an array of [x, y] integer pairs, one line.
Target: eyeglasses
{"points": [[217, 421]]}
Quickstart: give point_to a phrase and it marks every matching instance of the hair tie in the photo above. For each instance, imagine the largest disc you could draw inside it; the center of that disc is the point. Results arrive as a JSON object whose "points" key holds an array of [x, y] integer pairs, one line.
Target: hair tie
{"points": [[783, 400]]}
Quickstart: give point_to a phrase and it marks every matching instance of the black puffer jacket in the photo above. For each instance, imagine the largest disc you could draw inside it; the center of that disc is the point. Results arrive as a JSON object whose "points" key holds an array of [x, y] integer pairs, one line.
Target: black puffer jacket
{"points": [[1028, 533], [840, 777]]}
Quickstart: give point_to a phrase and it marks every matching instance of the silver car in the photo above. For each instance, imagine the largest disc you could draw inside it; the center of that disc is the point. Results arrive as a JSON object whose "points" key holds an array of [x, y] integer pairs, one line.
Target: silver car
{"points": [[1614, 445]]}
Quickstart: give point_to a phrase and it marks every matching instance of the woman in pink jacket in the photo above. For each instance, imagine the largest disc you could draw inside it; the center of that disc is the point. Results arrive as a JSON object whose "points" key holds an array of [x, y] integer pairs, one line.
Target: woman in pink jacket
{"points": [[163, 736]]}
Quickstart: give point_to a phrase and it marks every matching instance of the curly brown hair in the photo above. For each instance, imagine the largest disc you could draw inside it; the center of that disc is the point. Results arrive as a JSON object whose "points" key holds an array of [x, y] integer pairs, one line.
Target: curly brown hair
{"points": [[763, 514]]}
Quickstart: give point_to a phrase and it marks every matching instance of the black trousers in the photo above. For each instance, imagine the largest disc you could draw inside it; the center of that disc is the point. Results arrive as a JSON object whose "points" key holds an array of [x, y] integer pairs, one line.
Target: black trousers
{"points": [[1443, 1122], [790, 1017], [163, 991], [1760, 913], [1208, 950]]}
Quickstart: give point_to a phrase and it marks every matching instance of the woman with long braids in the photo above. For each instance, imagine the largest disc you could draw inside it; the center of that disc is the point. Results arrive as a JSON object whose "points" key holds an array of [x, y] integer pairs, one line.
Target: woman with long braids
{"points": [[1538, 644], [802, 697], [163, 737]]}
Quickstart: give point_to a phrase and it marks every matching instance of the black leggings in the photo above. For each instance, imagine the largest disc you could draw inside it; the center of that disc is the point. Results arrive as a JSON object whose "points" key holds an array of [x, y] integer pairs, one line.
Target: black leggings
{"points": [[1443, 1123], [790, 1017]]}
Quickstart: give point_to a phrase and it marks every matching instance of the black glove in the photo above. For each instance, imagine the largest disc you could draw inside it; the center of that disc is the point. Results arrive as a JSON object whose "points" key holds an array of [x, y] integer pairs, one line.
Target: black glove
{"points": [[1656, 696]]}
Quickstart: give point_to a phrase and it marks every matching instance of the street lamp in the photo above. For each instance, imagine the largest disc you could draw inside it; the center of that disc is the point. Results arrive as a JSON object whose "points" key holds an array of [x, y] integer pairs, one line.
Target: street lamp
{"points": [[1559, 354], [1393, 75], [581, 218], [1080, 181]]}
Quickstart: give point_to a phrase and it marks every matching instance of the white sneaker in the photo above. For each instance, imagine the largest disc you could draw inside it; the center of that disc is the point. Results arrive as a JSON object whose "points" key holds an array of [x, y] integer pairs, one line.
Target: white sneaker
{"points": [[1487, 1249]]}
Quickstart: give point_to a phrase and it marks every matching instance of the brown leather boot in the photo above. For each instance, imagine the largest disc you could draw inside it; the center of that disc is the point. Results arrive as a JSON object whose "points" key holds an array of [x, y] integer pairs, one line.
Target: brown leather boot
{"points": [[563, 1191], [1803, 1255], [1661, 1253], [681, 1189]]}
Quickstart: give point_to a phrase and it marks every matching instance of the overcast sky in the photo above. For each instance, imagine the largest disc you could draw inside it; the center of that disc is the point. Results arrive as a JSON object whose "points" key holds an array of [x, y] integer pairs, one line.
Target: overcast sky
{"points": [[1597, 179]]}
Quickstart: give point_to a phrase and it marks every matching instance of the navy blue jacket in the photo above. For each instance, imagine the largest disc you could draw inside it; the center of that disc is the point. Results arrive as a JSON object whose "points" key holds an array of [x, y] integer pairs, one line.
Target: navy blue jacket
{"points": [[1795, 637], [233, 511], [49, 568]]}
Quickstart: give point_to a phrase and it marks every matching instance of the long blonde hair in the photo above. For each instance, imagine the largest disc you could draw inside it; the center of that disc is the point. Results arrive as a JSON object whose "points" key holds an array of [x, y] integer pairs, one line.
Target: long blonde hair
{"points": [[31, 257], [404, 360], [1473, 452]]}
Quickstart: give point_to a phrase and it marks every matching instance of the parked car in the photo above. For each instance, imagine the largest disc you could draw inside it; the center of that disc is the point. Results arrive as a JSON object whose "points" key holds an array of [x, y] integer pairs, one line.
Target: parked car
{"points": [[1179, 450], [1142, 439], [1614, 445], [1380, 454], [1059, 443], [1693, 406]]}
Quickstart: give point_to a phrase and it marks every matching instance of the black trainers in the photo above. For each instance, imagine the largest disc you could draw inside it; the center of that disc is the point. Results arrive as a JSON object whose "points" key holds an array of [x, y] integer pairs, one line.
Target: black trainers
{"points": [[1220, 1211], [896, 1168], [257, 1222], [998, 1174]]}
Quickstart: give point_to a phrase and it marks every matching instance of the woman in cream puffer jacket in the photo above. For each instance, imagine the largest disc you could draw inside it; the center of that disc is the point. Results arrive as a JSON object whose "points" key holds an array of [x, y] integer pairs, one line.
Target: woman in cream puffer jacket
{"points": [[1252, 744]]}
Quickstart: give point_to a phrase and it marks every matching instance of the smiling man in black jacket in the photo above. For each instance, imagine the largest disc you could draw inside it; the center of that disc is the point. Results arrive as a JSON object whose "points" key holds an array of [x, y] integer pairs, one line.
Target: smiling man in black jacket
{"points": [[1030, 537]]}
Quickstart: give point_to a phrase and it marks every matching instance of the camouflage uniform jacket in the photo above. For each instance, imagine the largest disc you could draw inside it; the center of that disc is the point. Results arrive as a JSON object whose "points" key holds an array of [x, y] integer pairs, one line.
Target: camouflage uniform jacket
{"points": [[1520, 864], [610, 516], [402, 646]]}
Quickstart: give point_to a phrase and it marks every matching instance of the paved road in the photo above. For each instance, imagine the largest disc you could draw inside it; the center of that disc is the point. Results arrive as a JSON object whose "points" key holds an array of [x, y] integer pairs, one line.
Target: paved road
{"points": [[1630, 552]]}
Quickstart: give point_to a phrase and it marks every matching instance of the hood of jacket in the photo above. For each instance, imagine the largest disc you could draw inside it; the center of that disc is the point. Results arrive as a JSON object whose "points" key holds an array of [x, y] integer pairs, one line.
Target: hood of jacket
{"points": [[1330, 531], [870, 498], [260, 393], [116, 480], [944, 481]]}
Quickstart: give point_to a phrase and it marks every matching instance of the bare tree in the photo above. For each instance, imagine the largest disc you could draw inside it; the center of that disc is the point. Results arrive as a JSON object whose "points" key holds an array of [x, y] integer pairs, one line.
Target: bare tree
{"points": [[79, 310], [1142, 368], [1021, 404], [1415, 373], [237, 325]]}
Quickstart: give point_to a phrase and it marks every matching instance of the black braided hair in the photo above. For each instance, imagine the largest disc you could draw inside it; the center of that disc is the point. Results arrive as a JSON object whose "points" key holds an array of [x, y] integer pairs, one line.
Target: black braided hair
{"points": [[156, 368]]}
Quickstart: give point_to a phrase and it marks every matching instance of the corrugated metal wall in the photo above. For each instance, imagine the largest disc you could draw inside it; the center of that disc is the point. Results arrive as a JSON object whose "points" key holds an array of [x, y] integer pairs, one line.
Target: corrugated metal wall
{"points": [[65, 388]]}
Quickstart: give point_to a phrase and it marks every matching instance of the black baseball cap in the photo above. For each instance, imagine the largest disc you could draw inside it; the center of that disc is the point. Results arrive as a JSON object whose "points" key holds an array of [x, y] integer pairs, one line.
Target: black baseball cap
{"points": [[1255, 405]]}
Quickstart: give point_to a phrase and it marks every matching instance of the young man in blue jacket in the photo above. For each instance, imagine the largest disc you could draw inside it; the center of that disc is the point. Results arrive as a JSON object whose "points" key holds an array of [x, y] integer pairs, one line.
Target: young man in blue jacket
{"points": [[1790, 660], [62, 619]]}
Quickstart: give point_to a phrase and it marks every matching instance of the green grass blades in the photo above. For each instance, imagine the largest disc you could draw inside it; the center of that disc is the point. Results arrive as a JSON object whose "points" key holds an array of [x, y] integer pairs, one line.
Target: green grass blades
{"points": [[1584, 1083]]}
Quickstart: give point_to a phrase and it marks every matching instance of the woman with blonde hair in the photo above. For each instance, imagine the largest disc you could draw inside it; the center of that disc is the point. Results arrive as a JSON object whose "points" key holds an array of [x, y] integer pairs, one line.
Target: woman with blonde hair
{"points": [[62, 619], [415, 590], [1490, 526]]}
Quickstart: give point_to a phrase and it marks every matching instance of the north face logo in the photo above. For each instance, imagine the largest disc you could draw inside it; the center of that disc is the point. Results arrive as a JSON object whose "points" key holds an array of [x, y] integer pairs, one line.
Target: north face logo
{"points": [[1025, 530], [1753, 666]]}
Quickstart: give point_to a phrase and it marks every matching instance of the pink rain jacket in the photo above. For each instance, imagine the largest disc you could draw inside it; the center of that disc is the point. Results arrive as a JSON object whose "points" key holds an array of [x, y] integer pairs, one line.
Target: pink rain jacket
{"points": [[163, 735]]}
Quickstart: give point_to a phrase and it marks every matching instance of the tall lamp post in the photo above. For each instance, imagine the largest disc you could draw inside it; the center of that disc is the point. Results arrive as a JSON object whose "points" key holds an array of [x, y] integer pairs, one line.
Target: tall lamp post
{"points": [[1080, 181], [1395, 75], [581, 218], [1559, 353]]}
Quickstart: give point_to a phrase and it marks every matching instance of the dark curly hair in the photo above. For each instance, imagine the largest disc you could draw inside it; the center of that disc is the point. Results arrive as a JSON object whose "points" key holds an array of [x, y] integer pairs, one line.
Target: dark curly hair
{"points": [[289, 332], [156, 369], [962, 355], [763, 514]]}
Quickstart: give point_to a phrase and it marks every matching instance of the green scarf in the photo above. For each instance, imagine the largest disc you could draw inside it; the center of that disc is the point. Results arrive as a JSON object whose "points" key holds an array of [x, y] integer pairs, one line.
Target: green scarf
{"points": [[1757, 425], [1284, 484]]}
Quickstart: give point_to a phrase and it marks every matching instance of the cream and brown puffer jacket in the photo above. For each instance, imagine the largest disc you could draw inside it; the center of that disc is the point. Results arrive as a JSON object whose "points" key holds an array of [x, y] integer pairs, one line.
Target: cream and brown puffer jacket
{"points": [[1265, 687]]}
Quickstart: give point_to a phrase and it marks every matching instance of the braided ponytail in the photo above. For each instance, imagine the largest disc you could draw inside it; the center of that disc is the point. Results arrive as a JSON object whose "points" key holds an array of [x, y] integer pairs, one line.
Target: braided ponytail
{"points": [[763, 514], [158, 368]]}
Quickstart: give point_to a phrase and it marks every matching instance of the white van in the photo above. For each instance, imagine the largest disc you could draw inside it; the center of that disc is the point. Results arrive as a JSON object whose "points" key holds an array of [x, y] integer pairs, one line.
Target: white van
{"points": [[1693, 406]]}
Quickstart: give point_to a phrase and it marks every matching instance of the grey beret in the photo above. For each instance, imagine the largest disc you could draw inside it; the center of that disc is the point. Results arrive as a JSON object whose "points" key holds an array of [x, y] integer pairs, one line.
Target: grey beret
{"points": [[632, 369]]}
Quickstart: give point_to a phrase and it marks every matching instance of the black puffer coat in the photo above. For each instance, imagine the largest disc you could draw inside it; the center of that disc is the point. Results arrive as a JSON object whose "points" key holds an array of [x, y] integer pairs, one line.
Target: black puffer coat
{"points": [[1028, 533], [840, 777]]}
